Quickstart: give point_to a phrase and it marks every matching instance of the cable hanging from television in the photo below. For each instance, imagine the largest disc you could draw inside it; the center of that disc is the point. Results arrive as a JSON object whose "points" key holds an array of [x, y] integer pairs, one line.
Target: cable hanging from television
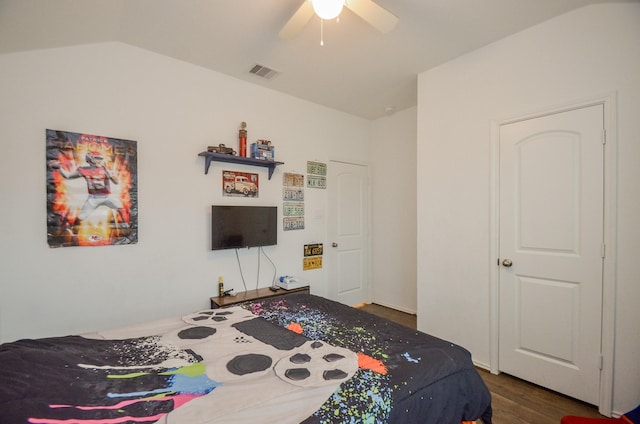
{"points": [[275, 269], [240, 268]]}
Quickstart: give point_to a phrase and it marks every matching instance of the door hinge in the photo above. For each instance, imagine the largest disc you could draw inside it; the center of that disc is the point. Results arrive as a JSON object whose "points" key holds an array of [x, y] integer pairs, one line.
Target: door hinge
{"points": [[604, 136], [603, 250]]}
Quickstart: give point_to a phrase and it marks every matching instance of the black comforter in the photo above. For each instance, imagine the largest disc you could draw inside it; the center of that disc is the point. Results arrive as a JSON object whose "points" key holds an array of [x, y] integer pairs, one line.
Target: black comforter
{"points": [[402, 375]]}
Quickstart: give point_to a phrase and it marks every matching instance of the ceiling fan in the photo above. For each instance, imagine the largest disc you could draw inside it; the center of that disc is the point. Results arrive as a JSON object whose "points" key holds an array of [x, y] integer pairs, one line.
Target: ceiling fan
{"points": [[378, 17]]}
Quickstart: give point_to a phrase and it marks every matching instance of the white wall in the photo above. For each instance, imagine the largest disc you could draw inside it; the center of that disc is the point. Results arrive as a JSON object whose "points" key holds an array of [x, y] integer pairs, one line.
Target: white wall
{"points": [[591, 51], [173, 110], [393, 176]]}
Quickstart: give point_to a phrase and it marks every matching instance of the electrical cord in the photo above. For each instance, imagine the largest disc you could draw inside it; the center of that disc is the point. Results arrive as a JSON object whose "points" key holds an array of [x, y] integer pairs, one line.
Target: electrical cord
{"points": [[258, 273], [240, 268], [275, 270]]}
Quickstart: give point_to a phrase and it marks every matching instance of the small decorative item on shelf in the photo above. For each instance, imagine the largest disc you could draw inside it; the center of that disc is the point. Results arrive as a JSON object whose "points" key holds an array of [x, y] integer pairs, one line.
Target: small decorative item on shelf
{"points": [[262, 149], [242, 140], [221, 148]]}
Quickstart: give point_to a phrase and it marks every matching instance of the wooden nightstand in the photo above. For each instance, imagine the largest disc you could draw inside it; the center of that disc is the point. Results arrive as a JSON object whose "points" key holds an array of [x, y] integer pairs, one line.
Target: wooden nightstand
{"points": [[263, 293]]}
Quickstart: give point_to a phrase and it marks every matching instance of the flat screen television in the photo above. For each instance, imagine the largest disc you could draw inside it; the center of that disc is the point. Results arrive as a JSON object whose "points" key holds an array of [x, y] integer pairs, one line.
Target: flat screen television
{"points": [[233, 227]]}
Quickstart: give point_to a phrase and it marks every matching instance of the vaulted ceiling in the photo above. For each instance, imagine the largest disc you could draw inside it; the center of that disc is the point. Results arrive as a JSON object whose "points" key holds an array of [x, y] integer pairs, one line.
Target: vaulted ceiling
{"points": [[358, 70]]}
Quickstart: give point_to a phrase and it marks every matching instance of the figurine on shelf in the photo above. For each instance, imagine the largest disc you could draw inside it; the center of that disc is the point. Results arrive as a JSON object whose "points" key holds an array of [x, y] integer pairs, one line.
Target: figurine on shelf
{"points": [[262, 149], [242, 142], [221, 148]]}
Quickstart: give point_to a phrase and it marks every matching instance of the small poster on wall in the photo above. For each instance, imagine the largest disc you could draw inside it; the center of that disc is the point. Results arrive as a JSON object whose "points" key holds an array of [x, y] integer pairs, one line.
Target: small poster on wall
{"points": [[312, 256], [316, 168], [293, 186], [293, 209], [316, 174], [313, 262], [92, 190], [293, 223], [239, 184]]}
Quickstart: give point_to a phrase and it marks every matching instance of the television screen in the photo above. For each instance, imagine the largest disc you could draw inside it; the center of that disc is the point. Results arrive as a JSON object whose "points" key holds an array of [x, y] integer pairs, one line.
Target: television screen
{"points": [[233, 227]]}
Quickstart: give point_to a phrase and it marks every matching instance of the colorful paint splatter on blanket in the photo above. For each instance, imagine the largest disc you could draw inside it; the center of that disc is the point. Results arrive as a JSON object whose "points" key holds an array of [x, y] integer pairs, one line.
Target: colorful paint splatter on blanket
{"points": [[366, 398], [134, 370]]}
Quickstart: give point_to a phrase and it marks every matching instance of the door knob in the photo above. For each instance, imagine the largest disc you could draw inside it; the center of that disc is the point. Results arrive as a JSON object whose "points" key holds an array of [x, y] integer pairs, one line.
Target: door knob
{"points": [[507, 263], [334, 244]]}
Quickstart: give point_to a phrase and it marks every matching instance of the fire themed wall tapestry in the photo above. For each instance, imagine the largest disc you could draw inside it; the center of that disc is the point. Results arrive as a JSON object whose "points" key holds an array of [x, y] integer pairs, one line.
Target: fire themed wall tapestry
{"points": [[92, 190]]}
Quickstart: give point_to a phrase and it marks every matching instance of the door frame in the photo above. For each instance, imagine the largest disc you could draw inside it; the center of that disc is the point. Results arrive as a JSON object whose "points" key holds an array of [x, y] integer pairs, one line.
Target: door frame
{"points": [[609, 102]]}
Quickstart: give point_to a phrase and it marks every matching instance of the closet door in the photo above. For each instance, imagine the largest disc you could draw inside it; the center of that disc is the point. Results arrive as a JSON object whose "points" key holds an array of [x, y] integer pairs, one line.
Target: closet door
{"points": [[551, 250]]}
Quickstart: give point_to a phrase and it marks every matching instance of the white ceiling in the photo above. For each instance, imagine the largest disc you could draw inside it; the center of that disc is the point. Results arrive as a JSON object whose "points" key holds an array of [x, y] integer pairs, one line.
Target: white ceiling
{"points": [[358, 70]]}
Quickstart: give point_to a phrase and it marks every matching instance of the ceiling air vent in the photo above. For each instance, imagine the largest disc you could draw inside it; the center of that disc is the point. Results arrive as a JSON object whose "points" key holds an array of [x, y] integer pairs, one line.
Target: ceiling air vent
{"points": [[264, 72]]}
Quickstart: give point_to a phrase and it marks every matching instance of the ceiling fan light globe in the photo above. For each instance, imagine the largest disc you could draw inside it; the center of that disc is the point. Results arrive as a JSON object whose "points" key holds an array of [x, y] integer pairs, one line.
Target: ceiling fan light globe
{"points": [[327, 9]]}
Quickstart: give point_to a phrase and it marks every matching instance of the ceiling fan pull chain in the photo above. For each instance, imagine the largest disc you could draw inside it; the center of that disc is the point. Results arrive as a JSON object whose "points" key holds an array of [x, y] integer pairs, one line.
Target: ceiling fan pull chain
{"points": [[321, 32]]}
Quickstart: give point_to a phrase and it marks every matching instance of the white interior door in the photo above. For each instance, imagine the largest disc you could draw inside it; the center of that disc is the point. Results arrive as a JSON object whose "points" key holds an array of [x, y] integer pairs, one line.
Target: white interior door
{"points": [[551, 251], [348, 254]]}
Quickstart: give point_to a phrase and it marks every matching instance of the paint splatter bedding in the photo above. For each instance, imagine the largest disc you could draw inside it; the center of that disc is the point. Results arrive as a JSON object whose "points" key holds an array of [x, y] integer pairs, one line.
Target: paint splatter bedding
{"points": [[291, 359]]}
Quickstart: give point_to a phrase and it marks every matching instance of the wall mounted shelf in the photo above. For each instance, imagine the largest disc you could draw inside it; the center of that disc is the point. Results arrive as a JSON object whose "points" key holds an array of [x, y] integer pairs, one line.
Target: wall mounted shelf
{"points": [[221, 157]]}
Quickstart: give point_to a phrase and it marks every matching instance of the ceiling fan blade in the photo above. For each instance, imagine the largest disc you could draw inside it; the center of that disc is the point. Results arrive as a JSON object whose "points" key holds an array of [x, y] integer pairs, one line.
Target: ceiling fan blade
{"points": [[299, 19], [375, 15]]}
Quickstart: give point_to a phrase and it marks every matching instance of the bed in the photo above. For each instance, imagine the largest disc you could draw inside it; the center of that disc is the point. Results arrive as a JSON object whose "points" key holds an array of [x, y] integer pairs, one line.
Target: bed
{"points": [[296, 358]]}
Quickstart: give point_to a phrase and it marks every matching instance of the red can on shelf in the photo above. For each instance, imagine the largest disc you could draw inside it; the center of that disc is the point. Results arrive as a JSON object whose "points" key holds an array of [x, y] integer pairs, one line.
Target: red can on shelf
{"points": [[242, 144]]}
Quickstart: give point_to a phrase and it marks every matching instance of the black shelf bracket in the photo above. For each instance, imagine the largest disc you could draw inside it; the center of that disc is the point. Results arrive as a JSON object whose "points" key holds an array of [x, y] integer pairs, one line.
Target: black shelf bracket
{"points": [[221, 157]]}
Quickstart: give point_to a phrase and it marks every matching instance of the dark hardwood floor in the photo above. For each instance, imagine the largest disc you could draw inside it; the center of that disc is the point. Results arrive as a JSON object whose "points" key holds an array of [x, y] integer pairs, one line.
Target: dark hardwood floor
{"points": [[403, 318], [514, 401]]}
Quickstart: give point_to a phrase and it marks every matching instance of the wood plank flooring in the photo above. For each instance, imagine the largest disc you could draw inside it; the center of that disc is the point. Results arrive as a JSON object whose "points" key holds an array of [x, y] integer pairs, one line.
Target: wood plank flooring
{"points": [[514, 401]]}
